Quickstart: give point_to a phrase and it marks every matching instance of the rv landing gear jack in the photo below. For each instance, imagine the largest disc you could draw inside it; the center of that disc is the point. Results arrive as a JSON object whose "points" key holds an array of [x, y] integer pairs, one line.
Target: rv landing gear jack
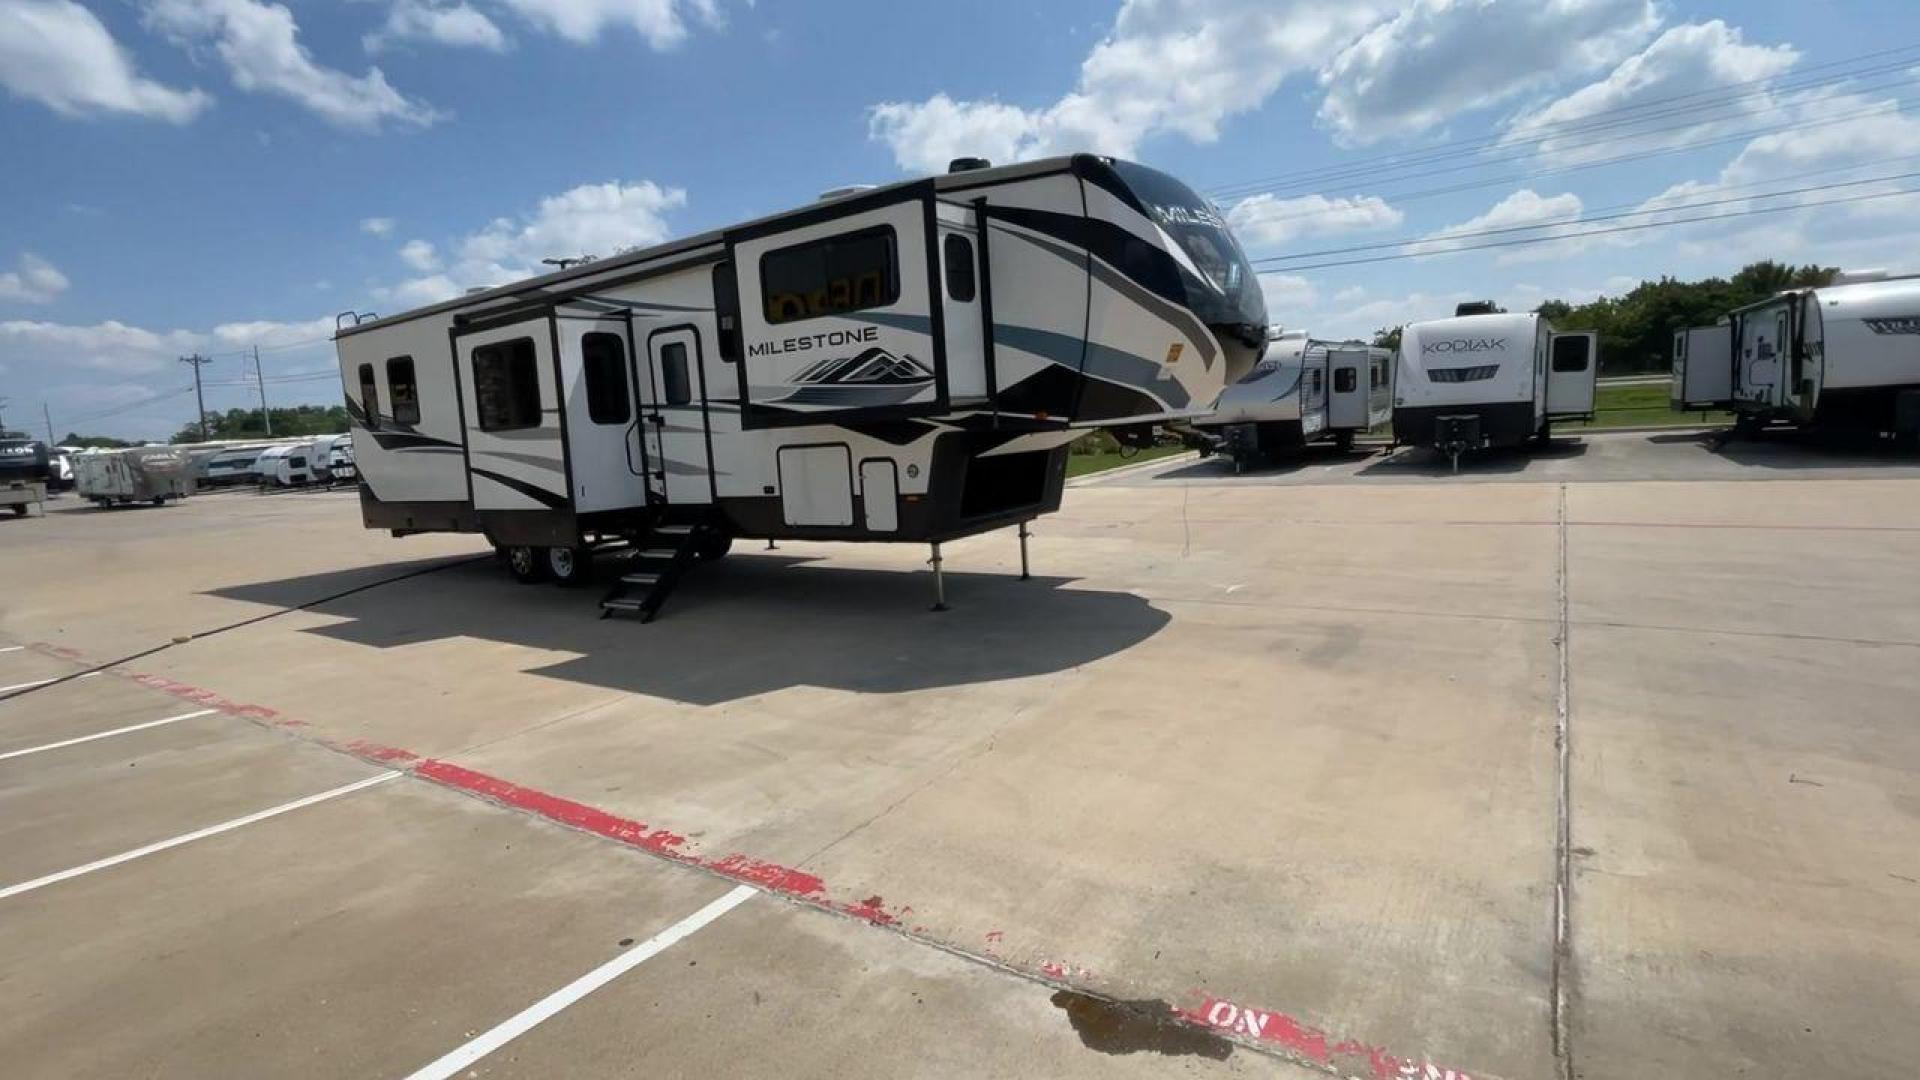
{"points": [[939, 581], [1024, 575]]}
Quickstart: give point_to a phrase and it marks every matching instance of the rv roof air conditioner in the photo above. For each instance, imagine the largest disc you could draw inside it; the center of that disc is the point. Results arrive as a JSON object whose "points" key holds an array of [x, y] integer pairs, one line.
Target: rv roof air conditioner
{"points": [[1477, 307], [968, 164], [844, 191]]}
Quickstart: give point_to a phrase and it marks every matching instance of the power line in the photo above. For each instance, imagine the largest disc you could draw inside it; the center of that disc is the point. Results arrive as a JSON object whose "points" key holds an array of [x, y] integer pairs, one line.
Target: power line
{"points": [[1599, 232], [1583, 219], [1401, 158], [118, 410]]}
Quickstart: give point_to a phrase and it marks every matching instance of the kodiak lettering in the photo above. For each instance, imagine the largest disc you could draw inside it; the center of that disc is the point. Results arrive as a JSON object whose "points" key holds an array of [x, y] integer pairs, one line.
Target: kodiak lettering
{"points": [[1465, 345]]}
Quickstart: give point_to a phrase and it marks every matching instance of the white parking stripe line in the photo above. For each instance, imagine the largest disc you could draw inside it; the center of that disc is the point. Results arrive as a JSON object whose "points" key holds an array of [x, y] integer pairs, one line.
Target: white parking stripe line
{"points": [[105, 734], [26, 685], [188, 838], [553, 1003], [12, 648]]}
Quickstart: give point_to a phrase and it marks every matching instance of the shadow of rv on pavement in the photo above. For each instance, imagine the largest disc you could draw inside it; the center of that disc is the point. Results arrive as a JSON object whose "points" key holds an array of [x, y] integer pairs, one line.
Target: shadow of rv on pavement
{"points": [[749, 624]]}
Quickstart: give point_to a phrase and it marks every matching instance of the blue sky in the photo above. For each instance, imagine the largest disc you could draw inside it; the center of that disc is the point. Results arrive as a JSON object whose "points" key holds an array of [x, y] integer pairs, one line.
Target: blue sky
{"points": [[210, 175]]}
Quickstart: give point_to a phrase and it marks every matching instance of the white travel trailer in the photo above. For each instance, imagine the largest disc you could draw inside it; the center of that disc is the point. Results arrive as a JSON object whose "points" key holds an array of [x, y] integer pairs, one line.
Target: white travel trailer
{"points": [[152, 474], [1300, 392], [1843, 356], [903, 363], [232, 465], [1487, 378], [290, 465]]}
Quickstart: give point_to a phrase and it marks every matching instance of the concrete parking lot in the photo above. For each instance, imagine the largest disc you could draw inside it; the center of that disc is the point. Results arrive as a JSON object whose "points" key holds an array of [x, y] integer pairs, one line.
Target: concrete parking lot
{"points": [[1606, 769]]}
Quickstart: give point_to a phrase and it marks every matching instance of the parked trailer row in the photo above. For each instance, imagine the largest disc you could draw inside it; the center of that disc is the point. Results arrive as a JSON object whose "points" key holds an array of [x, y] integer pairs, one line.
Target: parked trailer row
{"points": [[1842, 356]]}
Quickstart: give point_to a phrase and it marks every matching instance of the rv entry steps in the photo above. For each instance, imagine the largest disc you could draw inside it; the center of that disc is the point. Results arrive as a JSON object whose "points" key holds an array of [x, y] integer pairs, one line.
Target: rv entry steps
{"points": [[659, 560]]}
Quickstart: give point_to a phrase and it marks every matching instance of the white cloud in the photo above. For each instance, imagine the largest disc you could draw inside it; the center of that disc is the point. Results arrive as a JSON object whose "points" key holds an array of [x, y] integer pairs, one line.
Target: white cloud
{"points": [[1437, 59], [456, 25], [420, 255], [1520, 210], [37, 281], [1285, 294], [376, 226], [663, 23], [259, 44], [1179, 66], [1682, 62], [110, 346], [1265, 221], [274, 334], [57, 53], [592, 219]]}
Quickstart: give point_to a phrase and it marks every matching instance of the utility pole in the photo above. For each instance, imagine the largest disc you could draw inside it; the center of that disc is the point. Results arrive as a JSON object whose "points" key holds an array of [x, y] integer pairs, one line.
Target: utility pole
{"points": [[198, 362], [260, 380], [47, 415], [4, 401]]}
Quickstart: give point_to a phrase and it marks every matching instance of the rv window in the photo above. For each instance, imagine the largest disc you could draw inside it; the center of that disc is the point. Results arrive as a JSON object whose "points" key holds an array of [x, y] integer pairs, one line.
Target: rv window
{"points": [[369, 397], [603, 357], [673, 373], [1377, 375], [506, 385], [1569, 354], [726, 309], [1317, 384], [830, 277], [406, 394], [959, 255], [1345, 381]]}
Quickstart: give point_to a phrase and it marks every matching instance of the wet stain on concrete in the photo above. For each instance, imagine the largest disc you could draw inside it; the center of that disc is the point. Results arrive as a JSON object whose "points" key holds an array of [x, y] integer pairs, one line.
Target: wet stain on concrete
{"points": [[1133, 1027]]}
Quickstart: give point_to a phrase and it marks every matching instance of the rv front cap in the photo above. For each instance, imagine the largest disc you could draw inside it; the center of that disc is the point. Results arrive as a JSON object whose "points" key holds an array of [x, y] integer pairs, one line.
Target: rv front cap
{"points": [[1465, 345]]}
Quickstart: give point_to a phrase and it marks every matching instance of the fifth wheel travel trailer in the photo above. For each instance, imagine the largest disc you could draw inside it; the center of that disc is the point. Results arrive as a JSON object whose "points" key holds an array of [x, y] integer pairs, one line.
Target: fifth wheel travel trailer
{"points": [[1842, 356], [902, 363], [1487, 378], [1301, 391]]}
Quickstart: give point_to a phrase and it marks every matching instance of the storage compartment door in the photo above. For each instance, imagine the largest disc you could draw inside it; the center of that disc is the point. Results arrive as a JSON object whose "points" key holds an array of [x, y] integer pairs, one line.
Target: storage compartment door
{"points": [[839, 316], [510, 398], [1572, 363], [880, 494], [816, 485], [1347, 400], [1703, 366]]}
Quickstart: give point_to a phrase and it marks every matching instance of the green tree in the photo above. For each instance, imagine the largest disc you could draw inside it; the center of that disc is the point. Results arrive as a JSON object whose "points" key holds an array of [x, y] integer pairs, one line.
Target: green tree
{"points": [[247, 424], [105, 442], [1387, 337]]}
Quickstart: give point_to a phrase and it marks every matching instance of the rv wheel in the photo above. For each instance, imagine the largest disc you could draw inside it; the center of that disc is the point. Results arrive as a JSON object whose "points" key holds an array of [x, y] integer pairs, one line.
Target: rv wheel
{"points": [[570, 566], [526, 565], [715, 546], [19, 509]]}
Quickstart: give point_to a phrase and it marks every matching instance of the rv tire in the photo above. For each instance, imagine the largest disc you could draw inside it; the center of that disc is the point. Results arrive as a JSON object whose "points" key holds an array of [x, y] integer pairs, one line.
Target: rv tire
{"points": [[569, 566], [525, 564], [1343, 442], [714, 547], [19, 509]]}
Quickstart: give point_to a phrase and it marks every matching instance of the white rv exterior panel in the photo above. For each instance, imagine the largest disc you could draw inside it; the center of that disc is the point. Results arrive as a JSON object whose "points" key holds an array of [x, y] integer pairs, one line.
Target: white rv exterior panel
{"points": [[420, 461], [1573, 365], [1348, 388], [1703, 365], [1507, 348], [1870, 333], [605, 455], [522, 465], [816, 485]]}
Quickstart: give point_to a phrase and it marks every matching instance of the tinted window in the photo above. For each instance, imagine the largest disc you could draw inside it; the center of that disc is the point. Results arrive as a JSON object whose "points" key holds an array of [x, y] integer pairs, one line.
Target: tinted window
{"points": [[603, 357], [369, 397], [406, 394], [1570, 354], [726, 308], [506, 386], [1345, 381], [1317, 384], [830, 277], [677, 388], [959, 255]]}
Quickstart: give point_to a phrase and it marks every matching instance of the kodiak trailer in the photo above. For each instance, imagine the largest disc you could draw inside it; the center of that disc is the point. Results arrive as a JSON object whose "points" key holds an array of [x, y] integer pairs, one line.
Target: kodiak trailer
{"points": [[1487, 378], [1841, 356], [1301, 391], [903, 363]]}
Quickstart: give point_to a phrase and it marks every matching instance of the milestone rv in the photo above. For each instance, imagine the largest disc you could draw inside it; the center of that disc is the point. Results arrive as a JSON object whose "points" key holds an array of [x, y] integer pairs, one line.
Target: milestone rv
{"points": [[1301, 391], [150, 474], [1843, 356], [903, 363], [1486, 378]]}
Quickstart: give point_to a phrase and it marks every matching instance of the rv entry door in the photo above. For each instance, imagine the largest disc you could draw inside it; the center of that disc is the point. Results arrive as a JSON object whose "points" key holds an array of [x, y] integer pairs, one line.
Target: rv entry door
{"points": [[1571, 368], [673, 404], [510, 398], [608, 461], [1347, 401], [1702, 366]]}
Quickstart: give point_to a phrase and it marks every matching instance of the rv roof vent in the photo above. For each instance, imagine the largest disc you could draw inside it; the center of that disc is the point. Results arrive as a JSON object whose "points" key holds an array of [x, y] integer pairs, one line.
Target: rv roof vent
{"points": [[1855, 277], [968, 164], [1477, 307], [843, 192], [472, 289]]}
